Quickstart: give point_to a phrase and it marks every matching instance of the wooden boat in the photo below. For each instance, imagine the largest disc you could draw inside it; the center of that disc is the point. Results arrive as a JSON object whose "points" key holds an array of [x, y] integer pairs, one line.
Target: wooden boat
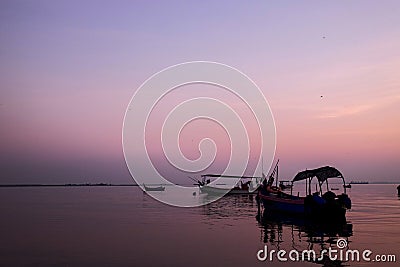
{"points": [[318, 205], [157, 188], [248, 187], [211, 190]]}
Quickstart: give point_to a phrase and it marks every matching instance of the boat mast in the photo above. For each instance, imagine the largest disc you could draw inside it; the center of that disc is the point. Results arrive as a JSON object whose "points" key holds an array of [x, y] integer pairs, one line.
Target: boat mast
{"points": [[262, 169]]}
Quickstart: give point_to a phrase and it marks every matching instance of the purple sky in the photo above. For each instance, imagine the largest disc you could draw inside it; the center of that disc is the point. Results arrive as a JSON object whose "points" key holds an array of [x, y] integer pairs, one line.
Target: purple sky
{"points": [[68, 70]]}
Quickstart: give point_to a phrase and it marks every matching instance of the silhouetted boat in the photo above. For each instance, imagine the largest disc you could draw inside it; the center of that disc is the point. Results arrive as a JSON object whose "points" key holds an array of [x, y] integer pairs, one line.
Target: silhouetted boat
{"points": [[241, 188], [319, 205], [234, 191], [398, 190], [157, 188]]}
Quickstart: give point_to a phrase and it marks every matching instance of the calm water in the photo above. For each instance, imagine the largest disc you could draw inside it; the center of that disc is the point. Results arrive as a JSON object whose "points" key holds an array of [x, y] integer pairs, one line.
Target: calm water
{"points": [[121, 226]]}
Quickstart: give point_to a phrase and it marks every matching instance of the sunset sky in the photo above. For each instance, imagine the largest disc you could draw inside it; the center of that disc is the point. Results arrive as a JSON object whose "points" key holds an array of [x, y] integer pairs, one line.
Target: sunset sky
{"points": [[329, 70]]}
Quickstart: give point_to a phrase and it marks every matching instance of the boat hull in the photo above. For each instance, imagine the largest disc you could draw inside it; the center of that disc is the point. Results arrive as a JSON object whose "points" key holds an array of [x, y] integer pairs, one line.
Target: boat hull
{"points": [[154, 189], [302, 206], [285, 205], [221, 191]]}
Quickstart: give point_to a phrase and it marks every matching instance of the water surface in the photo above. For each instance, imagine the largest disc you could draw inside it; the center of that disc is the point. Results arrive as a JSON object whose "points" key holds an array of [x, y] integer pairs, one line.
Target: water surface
{"points": [[122, 226]]}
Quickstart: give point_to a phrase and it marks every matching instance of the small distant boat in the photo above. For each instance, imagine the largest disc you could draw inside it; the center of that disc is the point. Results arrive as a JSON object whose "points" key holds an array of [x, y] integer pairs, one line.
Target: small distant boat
{"points": [[318, 205], [157, 188], [398, 190]]}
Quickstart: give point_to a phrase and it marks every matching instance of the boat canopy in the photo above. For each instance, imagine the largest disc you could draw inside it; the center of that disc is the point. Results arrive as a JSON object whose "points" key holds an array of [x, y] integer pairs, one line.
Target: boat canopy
{"points": [[322, 174]]}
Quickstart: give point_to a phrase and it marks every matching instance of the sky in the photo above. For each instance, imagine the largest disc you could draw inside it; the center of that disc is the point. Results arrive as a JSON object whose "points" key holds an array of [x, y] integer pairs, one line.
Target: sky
{"points": [[68, 69]]}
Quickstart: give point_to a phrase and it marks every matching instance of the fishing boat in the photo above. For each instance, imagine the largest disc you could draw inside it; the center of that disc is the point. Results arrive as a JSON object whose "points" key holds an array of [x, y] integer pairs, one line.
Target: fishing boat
{"points": [[157, 188], [247, 185], [318, 205]]}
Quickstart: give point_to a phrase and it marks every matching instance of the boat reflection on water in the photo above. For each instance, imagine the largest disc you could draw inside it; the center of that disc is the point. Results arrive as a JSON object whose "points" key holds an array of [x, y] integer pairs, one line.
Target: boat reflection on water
{"points": [[280, 231]]}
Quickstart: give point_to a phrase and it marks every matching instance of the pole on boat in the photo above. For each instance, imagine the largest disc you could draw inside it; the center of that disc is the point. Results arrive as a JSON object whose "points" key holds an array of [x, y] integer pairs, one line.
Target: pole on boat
{"points": [[306, 186], [262, 165], [291, 189], [320, 187], [344, 184]]}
